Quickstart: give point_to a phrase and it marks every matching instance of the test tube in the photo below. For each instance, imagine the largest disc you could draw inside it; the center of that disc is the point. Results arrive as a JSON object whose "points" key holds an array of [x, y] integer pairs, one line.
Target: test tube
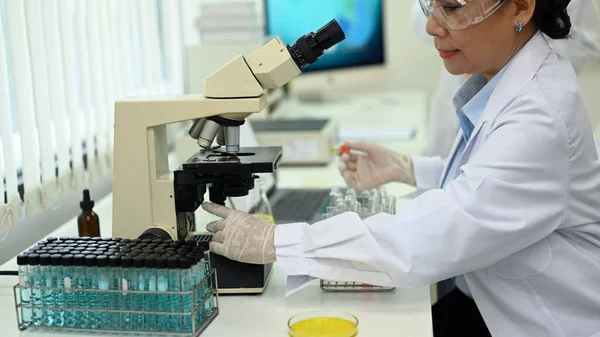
{"points": [[103, 285], [47, 295], [150, 299], [175, 300], [91, 282], [162, 285], [58, 281], [25, 293], [138, 299], [187, 284], [70, 297], [114, 278], [80, 283], [36, 292], [126, 284]]}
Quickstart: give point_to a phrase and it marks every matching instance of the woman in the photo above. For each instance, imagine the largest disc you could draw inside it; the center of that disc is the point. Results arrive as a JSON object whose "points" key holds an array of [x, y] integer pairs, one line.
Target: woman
{"points": [[582, 48], [518, 215]]}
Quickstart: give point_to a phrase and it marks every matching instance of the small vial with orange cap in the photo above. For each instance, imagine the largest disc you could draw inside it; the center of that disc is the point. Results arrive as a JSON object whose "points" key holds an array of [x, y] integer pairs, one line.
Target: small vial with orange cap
{"points": [[343, 149]]}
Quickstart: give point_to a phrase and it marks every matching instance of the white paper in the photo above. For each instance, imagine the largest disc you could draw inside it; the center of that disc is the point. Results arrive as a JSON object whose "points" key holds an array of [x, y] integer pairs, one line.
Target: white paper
{"points": [[297, 283]]}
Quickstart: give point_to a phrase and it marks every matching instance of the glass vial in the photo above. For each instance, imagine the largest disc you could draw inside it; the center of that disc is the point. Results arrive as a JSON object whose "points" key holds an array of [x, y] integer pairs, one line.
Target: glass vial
{"points": [[163, 300], [36, 292], [25, 293], [114, 274], [138, 299], [88, 222], [103, 297], [91, 283], [150, 300], [58, 281], [175, 300], [126, 284], [70, 297], [47, 294], [187, 283]]}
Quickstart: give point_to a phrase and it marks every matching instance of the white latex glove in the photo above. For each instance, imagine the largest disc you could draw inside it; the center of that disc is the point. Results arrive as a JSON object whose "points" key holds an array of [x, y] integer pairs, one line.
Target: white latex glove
{"points": [[374, 166], [240, 236]]}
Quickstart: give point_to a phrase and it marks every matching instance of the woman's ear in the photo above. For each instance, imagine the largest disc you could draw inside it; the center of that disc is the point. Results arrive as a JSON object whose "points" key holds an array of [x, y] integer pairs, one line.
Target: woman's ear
{"points": [[523, 11]]}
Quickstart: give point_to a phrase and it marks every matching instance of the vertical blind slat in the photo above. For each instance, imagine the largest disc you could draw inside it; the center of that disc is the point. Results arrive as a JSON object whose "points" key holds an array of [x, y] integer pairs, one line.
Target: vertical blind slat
{"points": [[6, 131], [57, 86], [140, 83], [110, 85], [40, 88], [19, 53]]}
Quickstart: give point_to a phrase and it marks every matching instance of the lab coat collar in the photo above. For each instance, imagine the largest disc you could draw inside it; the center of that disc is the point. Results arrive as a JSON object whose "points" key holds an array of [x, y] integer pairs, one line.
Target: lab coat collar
{"points": [[519, 73]]}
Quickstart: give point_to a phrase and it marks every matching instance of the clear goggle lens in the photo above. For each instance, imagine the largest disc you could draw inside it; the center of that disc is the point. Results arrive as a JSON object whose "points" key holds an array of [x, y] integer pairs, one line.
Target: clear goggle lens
{"points": [[459, 14]]}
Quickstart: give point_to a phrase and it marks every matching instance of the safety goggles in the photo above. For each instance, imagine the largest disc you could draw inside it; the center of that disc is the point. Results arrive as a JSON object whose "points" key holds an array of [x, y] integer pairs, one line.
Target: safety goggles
{"points": [[459, 14]]}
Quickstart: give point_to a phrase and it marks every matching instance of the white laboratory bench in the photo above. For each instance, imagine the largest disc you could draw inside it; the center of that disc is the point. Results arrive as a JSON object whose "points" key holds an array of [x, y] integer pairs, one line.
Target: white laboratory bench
{"points": [[406, 312]]}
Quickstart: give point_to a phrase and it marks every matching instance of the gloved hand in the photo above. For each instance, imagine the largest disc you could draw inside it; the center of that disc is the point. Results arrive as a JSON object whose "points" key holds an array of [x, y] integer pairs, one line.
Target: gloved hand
{"points": [[375, 166], [240, 236]]}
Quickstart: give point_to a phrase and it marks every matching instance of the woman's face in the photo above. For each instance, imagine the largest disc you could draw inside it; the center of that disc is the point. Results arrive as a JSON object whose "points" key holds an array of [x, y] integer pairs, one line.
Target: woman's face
{"points": [[483, 48]]}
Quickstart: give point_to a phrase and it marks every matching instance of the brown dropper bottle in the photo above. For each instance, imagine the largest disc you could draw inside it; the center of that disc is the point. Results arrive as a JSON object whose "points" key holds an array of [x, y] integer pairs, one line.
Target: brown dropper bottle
{"points": [[88, 222]]}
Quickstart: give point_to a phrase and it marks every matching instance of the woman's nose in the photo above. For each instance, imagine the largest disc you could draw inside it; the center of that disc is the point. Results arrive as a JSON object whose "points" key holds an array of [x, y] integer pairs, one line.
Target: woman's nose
{"points": [[433, 28]]}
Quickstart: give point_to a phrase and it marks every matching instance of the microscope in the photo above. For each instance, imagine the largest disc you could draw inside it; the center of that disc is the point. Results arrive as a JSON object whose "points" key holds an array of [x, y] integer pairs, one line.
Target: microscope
{"points": [[149, 200]]}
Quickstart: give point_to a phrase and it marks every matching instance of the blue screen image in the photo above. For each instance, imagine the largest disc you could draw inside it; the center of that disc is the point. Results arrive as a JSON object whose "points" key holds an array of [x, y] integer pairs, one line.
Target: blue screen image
{"points": [[361, 21]]}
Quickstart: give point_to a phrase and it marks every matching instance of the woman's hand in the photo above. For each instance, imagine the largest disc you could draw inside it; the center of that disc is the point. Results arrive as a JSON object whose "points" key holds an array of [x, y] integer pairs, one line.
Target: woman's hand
{"points": [[240, 236], [374, 166]]}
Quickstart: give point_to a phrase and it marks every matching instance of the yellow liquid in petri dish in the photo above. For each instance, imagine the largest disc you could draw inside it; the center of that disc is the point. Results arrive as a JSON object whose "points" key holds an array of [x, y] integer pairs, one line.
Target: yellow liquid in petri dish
{"points": [[324, 326], [265, 217]]}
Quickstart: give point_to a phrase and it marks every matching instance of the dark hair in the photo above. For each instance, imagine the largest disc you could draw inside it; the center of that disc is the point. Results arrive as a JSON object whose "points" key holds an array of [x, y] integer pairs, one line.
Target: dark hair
{"points": [[552, 19]]}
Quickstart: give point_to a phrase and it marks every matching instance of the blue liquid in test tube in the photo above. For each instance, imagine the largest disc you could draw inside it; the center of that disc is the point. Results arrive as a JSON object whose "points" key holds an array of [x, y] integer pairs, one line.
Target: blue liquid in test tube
{"points": [[58, 281], [114, 274], [70, 296], [36, 292], [25, 293], [163, 301], [126, 298]]}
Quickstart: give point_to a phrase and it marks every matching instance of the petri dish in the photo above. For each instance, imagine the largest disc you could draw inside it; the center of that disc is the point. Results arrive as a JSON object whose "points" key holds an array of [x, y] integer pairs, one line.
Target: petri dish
{"points": [[323, 323]]}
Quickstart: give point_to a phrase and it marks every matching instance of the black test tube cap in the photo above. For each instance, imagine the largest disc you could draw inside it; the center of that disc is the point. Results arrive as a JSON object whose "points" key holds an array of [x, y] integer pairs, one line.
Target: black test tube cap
{"points": [[56, 259], [33, 260], [126, 261], [45, 259], [161, 262], [150, 262], [138, 262], [102, 261], [172, 262], [96, 239], [120, 254], [90, 260], [51, 239], [157, 241], [126, 240], [114, 261], [79, 260], [67, 260], [22, 259], [185, 263]]}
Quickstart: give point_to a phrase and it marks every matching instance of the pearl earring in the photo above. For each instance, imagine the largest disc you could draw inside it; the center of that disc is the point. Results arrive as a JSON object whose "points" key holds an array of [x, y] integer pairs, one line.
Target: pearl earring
{"points": [[519, 26]]}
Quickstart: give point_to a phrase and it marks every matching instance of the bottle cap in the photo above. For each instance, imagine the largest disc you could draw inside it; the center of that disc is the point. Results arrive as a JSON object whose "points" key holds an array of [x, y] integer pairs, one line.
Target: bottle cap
{"points": [[131, 244], [141, 245], [53, 251], [174, 245], [138, 262], [152, 245], [96, 239], [45, 260], [93, 245], [150, 262], [79, 260], [180, 241], [161, 262], [41, 251], [193, 258], [106, 240], [126, 240], [90, 260], [67, 260], [169, 241], [120, 254], [111, 252], [172, 262], [87, 203], [114, 261], [125, 249], [157, 241], [146, 241], [184, 263], [104, 245], [71, 241], [51, 245], [148, 250], [98, 253], [33, 260], [51, 239], [126, 261], [64, 251], [86, 238], [136, 251], [42, 243], [56, 260], [117, 239], [159, 251], [65, 238], [22, 259], [136, 241], [101, 261]]}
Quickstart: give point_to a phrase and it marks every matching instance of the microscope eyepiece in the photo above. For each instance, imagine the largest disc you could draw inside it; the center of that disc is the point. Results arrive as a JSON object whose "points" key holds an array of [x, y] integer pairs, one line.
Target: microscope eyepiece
{"points": [[311, 46]]}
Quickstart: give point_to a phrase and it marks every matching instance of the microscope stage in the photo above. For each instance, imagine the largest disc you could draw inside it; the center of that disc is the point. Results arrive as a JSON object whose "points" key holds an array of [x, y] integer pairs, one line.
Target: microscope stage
{"points": [[248, 160]]}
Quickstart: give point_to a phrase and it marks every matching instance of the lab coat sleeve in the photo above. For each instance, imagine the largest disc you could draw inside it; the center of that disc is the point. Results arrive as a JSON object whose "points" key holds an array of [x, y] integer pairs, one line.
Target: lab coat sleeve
{"points": [[428, 171], [510, 195], [582, 48]]}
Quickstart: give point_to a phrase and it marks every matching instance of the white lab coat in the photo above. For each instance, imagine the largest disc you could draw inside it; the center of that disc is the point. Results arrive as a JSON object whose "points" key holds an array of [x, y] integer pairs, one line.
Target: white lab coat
{"points": [[521, 220], [581, 49]]}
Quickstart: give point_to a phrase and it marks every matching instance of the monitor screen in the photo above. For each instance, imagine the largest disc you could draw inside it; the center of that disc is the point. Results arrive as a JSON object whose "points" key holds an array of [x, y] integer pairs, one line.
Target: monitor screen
{"points": [[361, 20]]}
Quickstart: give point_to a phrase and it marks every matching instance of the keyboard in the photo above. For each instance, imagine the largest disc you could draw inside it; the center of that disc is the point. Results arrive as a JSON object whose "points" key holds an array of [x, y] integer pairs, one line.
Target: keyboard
{"points": [[299, 205]]}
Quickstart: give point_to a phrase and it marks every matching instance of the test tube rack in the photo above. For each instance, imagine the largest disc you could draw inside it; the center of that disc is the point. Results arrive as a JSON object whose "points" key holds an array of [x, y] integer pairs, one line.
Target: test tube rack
{"points": [[197, 325], [365, 204]]}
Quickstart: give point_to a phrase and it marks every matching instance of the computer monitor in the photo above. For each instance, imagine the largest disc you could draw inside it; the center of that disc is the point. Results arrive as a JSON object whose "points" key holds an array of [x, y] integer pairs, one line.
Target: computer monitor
{"points": [[354, 63]]}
